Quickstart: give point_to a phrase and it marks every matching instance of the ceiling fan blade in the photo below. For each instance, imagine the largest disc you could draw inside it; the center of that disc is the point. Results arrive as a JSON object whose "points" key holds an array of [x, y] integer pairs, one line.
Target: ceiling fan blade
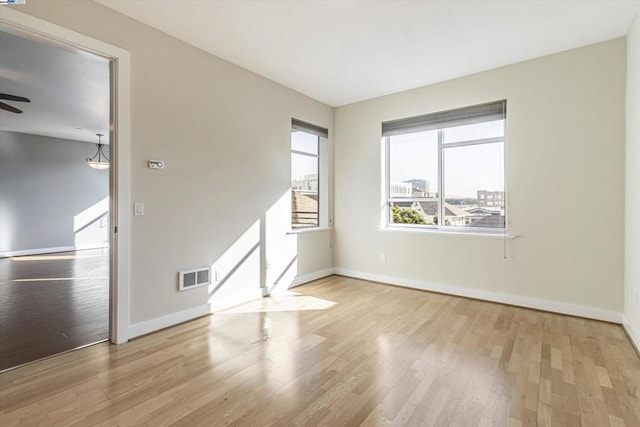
{"points": [[8, 107], [14, 97]]}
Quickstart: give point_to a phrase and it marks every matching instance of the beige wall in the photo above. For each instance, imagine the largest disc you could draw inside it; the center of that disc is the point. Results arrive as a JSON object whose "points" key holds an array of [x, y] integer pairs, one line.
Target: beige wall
{"points": [[632, 181], [224, 134], [565, 181]]}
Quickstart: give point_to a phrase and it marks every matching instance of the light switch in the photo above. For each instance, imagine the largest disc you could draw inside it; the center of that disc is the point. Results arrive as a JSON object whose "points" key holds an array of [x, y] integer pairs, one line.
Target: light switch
{"points": [[138, 209]]}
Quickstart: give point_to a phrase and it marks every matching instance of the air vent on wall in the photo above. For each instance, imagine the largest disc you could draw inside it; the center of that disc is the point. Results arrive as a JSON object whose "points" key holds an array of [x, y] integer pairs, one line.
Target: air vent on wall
{"points": [[195, 278]]}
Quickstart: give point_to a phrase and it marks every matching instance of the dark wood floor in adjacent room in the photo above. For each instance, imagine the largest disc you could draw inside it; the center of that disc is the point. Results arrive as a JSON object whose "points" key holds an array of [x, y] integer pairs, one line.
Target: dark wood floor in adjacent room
{"points": [[348, 352], [52, 303]]}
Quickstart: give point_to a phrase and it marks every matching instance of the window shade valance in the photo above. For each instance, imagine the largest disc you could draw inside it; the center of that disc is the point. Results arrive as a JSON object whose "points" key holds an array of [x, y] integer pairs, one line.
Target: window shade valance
{"points": [[309, 128], [443, 119]]}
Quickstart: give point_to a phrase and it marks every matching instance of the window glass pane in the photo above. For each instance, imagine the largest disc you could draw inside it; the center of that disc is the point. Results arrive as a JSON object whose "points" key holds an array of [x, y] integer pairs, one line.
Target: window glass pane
{"points": [[413, 165], [414, 212], [492, 129], [304, 190], [413, 173], [474, 185], [305, 142]]}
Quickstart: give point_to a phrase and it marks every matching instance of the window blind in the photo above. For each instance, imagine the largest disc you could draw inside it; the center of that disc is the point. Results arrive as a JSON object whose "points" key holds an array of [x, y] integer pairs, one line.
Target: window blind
{"points": [[309, 128], [443, 119]]}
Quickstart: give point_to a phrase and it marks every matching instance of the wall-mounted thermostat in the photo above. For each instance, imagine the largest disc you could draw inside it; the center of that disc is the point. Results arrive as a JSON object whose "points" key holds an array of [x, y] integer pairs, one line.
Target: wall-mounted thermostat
{"points": [[156, 164]]}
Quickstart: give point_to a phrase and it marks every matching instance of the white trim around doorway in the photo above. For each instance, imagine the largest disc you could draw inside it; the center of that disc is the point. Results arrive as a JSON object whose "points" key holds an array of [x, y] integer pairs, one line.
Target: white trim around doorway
{"points": [[121, 138]]}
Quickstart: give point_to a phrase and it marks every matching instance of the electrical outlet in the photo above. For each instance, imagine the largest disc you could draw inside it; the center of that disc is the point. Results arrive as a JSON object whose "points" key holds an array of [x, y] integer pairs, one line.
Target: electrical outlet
{"points": [[217, 276], [383, 256]]}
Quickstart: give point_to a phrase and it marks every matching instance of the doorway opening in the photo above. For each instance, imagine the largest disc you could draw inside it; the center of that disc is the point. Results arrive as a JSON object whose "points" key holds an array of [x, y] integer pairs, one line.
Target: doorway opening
{"points": [[57, 228]]}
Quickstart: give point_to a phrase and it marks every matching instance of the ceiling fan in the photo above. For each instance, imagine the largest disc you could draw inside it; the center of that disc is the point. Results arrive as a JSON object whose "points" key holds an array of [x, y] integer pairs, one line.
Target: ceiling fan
{"points": [[8, 107]]}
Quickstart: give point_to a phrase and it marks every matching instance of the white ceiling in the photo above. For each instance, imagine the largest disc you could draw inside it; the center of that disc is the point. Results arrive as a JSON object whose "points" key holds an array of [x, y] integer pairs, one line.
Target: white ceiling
{"points": [[344, 51], [336, 51], [68, 88]]}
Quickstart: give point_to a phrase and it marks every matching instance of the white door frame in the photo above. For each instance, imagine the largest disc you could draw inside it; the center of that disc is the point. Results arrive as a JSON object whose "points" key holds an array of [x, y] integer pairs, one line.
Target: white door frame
{"points": [[120, 125]]}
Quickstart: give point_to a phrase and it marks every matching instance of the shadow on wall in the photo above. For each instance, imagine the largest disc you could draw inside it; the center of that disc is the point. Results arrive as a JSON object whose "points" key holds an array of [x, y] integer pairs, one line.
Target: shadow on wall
{"points": [[265, 254]]}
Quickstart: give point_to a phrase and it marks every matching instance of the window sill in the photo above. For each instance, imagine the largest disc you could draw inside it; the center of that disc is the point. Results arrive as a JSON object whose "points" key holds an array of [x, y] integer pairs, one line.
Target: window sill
{"points": [[308, 230], [462, 233]]}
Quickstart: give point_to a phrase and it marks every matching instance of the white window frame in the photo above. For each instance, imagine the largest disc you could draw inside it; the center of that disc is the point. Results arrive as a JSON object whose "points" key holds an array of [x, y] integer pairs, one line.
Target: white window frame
{"points": [[323, 174], [441, 227]]}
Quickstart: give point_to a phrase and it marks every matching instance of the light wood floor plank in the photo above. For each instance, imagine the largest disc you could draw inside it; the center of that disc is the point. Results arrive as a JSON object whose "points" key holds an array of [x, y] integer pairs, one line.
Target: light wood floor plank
{"points": [[341, 351]]}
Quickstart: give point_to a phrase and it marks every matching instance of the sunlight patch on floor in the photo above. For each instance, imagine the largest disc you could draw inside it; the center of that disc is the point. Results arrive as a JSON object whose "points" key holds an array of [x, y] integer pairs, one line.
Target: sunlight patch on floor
{"points": [[55, 257], [57, 279], [284, 301]]}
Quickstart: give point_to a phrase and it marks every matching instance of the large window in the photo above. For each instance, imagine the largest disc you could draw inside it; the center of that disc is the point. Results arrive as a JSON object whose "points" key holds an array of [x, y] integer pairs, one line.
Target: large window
{"points": [[306, 174], [446, 170]]}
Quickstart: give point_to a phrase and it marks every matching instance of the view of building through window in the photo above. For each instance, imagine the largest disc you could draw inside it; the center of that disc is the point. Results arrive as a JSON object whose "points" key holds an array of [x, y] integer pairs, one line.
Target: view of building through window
{"points": [[463, 163], [305, 157]]}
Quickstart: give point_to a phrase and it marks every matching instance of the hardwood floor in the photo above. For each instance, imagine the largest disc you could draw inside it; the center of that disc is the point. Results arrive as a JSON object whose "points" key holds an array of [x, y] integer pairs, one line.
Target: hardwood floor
{"points": [[342, 351], [52, 303]]}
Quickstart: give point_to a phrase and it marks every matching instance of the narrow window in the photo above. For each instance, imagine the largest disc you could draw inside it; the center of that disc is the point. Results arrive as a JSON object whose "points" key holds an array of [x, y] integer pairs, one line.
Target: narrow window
{"points": [[306, 174], [446, 170]]}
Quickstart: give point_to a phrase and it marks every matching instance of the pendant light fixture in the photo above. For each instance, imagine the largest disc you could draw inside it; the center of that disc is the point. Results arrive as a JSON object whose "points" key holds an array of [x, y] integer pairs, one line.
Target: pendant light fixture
{"points": [[99, 160]]}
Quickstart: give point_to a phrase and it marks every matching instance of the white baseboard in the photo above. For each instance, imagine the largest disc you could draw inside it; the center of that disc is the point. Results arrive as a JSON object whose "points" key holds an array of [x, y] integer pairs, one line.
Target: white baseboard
{"points": [[92, 246], [172, 319], [37, 251], [54, 250], [148, 326], [634, 334], [306, 278], [511, 299]]}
